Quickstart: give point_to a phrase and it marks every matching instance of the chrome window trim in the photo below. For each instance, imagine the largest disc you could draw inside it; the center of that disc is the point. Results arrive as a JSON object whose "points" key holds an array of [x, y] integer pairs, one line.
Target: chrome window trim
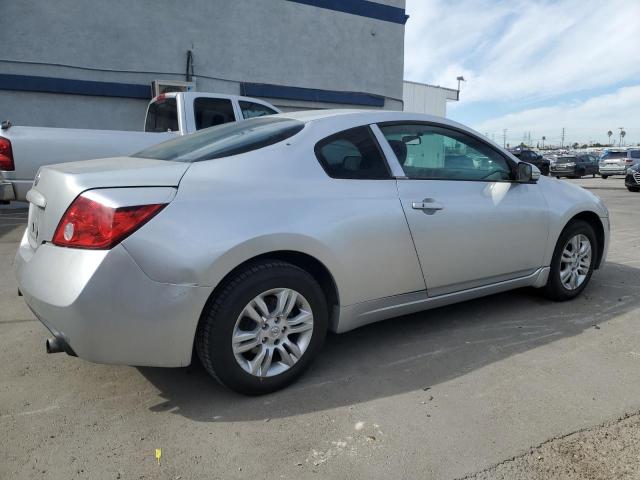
{"points": [[388, 153]]}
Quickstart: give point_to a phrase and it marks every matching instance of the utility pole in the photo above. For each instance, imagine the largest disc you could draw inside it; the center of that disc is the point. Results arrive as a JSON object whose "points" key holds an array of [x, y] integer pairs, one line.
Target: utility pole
{"points": [[562, 139], [504, 138]]}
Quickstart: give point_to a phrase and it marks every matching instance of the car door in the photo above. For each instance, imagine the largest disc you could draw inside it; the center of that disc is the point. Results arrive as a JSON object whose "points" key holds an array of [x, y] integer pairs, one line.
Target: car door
{"points": [[472, 225]]}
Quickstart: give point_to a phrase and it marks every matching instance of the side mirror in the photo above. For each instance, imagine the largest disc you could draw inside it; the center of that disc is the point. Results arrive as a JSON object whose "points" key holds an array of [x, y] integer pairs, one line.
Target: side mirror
{"points": [[412, 140], [527, 173]]}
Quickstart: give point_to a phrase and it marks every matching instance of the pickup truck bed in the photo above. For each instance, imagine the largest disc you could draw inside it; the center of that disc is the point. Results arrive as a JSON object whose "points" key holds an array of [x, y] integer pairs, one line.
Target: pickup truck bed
{"points": [[177, 113], [76, 143]]}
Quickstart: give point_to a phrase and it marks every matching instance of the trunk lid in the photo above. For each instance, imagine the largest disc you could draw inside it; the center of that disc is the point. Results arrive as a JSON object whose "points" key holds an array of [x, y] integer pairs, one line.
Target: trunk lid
{"points": [[56, 186]]}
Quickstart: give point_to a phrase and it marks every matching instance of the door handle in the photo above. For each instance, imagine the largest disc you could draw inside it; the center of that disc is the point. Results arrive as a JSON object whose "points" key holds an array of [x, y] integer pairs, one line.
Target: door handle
{"points": [[428, 205]]}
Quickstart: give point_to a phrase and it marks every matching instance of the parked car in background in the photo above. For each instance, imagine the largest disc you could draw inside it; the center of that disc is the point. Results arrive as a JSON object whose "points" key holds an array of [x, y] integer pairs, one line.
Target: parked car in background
{"points": [[616, 162], [533, 158], [23, 150], [632, 180], [248, 241], [575, 166]]}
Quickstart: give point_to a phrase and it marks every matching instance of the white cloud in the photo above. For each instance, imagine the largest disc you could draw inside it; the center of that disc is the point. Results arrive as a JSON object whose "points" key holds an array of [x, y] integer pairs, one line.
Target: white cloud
{"points": [[522, 50], [581, 120]]}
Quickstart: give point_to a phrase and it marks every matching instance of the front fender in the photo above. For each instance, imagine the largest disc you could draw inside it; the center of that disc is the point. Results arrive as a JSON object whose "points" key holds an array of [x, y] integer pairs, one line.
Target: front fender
{"points": [[566, 201]]}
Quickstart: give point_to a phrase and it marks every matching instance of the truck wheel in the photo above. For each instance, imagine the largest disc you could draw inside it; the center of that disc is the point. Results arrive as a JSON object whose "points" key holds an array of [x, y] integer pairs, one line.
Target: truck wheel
{"points": [[264, 327], [573, 261]]}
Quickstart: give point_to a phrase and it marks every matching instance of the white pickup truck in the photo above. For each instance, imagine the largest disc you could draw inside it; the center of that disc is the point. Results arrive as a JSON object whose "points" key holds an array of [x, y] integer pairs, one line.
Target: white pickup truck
{"points": [[23, 150]]}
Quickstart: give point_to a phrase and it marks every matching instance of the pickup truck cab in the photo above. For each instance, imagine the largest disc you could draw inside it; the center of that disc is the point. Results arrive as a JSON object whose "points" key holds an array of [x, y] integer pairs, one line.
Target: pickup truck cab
{"points": [[23, 150]]}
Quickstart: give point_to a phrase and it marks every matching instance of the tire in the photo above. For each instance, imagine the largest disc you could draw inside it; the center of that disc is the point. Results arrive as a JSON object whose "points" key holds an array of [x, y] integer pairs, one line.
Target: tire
{"points": [[604, 177], [555, 289], [633, 189], [221, 318]]}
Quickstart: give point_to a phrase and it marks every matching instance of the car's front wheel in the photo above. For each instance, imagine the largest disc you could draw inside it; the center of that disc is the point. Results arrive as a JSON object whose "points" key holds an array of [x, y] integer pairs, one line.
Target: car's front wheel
{"points": [[633, 189], [264, 327], [573, 261]]}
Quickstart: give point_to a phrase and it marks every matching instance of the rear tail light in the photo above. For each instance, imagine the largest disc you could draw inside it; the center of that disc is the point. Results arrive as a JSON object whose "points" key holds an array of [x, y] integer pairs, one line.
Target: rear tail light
{"points": [[93, 225], [629, 161], [6, 155]]}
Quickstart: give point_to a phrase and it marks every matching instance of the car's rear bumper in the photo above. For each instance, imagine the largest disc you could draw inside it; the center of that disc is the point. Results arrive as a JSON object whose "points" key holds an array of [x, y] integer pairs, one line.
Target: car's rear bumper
{"points": [[562, 172], [612, 171], [106, 309], [6, 192]]}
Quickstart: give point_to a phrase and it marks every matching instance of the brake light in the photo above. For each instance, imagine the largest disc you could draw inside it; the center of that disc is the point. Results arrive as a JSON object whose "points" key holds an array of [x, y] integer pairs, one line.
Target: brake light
{"points": [[629, 161], [90, 224], [6, 155]]}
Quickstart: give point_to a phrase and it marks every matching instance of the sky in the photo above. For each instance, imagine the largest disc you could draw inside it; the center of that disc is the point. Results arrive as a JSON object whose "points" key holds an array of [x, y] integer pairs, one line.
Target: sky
{"points": [[532, 66]]}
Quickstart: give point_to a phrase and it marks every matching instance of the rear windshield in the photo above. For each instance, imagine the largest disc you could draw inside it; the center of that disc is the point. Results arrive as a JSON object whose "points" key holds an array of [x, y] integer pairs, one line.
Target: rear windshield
{"points": [[224, 140], [566, 159], [162, 116], [610, 155]]}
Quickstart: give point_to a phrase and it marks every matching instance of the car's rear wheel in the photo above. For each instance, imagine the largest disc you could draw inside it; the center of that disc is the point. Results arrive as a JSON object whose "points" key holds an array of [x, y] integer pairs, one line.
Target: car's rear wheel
{"points": [[573, 261], [604, 177], [264, 327], [633, 189]]}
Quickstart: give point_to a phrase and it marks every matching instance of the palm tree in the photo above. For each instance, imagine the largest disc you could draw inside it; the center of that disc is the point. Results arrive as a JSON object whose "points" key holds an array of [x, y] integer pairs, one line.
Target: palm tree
{"points": [[622, 134], [609, 133], [543, 139]]}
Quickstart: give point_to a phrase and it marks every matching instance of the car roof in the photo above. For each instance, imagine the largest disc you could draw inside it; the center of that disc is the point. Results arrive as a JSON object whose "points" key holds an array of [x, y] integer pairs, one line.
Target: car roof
{"points": [[350, 118], [369, 116]]}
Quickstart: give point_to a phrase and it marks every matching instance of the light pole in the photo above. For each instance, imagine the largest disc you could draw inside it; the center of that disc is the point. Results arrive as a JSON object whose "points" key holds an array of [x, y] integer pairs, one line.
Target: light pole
{"points": [[459, 79]]}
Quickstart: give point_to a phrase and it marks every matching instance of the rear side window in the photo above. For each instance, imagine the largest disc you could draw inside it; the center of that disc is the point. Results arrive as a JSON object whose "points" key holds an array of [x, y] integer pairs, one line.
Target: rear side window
{"points": [[251, 110], [352, 154], [210, 112], [634, 153], [224, 140], [162, 116]]}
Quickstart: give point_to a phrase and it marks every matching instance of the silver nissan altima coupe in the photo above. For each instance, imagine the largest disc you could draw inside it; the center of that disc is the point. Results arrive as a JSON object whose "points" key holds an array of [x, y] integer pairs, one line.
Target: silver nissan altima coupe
{"points": [[246, 242]]}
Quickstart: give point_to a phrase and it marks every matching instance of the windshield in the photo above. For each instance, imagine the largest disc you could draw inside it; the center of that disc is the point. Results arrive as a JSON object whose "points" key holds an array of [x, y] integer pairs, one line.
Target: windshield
{"points": [[224, 140]]}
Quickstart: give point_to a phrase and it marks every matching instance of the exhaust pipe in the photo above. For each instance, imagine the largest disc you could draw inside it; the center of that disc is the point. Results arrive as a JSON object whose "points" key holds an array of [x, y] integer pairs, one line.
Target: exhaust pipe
{"points": [[58, 344]]}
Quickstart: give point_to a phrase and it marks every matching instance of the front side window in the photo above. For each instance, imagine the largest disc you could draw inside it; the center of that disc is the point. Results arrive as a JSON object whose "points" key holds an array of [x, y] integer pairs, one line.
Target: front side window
{"points": [[212, 111], [224, 140], [251, 109], [352, 154], [431, 152]]}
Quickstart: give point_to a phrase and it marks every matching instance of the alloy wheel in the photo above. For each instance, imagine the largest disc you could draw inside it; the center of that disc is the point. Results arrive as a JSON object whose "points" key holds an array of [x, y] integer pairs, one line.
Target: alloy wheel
{"points": [[272, 332], [575, 262]]}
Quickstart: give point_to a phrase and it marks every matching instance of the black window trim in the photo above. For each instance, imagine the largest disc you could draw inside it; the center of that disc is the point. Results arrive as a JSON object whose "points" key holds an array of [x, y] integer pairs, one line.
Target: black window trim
{"points": [[513, 166], [320, 143]]}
